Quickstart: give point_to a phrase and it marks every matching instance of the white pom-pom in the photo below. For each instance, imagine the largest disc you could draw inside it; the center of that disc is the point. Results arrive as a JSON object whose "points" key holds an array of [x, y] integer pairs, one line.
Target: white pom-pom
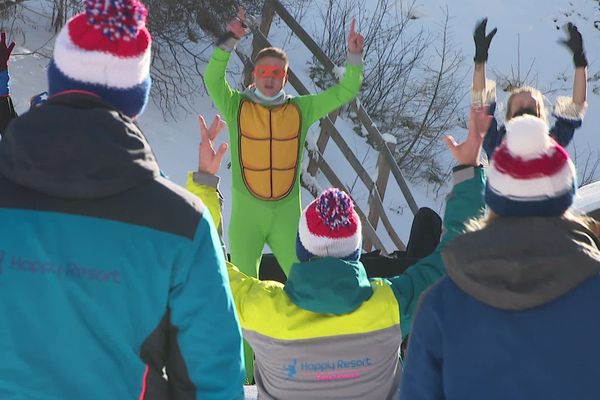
{"points": [[527, 137]]}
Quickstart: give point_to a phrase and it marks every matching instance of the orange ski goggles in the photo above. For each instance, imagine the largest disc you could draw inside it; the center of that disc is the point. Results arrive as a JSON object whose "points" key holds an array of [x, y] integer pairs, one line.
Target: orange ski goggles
{"points": [[265, 71]]}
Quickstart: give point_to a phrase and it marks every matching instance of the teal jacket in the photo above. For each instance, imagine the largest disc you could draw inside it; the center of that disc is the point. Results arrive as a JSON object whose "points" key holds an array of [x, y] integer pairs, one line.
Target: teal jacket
{"points": [[464, 203], [108, 272]]}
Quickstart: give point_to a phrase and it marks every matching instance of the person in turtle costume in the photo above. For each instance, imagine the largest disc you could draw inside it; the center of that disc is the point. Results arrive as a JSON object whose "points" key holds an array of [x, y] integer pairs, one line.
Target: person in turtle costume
{"points": [[267, 132]]}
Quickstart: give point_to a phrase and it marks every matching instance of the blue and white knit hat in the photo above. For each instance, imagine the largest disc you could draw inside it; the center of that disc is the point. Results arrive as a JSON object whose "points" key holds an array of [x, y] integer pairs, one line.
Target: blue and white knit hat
{"points": [[329, 227], [106, 51], [530, 174]]}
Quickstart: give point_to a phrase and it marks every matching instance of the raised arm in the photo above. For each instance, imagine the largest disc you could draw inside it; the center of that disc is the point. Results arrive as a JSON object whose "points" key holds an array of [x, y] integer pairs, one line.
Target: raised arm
{"points": [[204, 182], [482, 45], [569, 112], [7, 109], [224, 97], [464, 203], [317, 106], [575, 44], [483, 91]]}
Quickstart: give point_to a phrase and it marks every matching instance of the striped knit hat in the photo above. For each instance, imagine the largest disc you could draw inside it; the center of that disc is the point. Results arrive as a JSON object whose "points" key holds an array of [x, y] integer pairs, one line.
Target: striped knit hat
{"points": [[106, 51], [530, 174], [329, 227]]}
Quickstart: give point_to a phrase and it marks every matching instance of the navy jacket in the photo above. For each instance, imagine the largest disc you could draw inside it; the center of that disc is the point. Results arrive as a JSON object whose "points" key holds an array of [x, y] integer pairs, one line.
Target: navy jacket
{"points": [[516, 317]]}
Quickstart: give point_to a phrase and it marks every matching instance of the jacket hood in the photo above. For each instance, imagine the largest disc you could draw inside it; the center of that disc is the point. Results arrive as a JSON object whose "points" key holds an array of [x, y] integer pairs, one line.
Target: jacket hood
{"points": [[328, 285], [519, 263], [76, 146]]}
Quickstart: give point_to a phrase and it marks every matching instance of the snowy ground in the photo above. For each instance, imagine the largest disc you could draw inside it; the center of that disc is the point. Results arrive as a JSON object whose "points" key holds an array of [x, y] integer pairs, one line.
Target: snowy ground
{"points": [[250, 393]]}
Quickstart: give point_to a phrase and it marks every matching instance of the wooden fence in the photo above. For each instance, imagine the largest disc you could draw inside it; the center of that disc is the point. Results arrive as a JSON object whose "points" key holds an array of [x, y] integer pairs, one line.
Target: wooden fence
{"points": [[386, 162]]}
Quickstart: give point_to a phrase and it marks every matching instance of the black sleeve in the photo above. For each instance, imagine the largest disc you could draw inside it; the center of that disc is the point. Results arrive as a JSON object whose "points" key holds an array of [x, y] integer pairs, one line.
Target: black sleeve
{"points": [[7, 112]]}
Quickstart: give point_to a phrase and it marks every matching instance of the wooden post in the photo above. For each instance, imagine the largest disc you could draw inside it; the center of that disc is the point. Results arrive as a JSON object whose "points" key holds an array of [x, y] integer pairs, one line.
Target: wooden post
{"points": [[268, 12], [368, 231], [321, 143], [365, 178], [366, 121], [383, 175], [361, 112]]}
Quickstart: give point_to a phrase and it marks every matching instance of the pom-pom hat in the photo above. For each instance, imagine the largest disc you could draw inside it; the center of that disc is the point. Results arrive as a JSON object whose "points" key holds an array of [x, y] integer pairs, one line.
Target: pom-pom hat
{"points": [[329, 227], [105, 50], [530, 174]]}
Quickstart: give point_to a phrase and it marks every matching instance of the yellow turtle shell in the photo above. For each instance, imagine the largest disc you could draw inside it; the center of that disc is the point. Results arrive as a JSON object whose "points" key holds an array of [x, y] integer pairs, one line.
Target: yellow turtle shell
{"points": [[269, 139]]}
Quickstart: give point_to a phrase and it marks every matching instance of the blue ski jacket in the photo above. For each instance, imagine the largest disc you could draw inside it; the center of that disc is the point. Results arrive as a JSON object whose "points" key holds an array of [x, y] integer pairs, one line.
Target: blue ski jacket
{"points": [[108, 272]]}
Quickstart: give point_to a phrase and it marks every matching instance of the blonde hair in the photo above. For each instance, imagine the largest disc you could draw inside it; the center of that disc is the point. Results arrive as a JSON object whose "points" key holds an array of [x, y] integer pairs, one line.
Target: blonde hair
{"points": [[536, 94], [480, 223], [274, 52]]}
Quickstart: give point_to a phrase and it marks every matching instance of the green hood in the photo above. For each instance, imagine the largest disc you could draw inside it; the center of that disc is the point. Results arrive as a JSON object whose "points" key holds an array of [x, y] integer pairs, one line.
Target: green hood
{"points": [[328, 285]]}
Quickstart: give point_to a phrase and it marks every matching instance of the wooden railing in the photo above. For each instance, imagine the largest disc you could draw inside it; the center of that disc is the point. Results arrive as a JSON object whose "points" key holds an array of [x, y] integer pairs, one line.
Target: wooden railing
{"points": [[386, 162]]}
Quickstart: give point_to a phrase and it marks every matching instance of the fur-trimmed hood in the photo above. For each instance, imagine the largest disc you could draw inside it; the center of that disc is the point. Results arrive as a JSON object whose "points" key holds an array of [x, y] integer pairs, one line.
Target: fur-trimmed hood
{"points": [[519, 263]]}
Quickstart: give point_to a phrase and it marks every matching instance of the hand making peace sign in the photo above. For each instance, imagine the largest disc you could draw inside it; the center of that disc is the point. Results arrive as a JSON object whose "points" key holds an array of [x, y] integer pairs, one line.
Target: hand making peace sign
{"points": [[209, 160]]}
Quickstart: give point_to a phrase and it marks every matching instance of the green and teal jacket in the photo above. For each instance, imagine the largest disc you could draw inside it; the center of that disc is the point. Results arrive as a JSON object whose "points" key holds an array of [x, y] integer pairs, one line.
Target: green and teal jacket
{"points": [[330, 332]]}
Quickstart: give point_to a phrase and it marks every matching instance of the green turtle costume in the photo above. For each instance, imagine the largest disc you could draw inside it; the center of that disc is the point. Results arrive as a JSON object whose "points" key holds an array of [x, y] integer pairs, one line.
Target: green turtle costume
{"points": [[267, 144]]}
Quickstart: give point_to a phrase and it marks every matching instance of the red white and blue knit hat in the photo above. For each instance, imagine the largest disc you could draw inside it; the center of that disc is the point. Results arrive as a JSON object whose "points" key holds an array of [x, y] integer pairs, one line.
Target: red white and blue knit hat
{"points": [[329, 227], [105, 50], [530, 174]]}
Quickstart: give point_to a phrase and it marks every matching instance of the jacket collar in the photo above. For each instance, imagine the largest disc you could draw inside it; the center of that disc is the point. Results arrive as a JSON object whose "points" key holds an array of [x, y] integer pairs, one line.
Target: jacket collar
{"points": [[250, 93], [328, 285], [519, 263], [76, 146]]}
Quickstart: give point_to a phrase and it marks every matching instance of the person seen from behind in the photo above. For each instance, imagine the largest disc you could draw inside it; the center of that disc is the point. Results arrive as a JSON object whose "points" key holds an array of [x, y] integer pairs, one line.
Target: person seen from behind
{"points": [[109, 273], [330, 332], [514, 318]]}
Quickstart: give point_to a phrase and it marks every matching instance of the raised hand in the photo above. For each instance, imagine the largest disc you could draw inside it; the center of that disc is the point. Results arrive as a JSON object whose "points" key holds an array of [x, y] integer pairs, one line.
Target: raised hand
{"points": [[238, 27], [575, 44], [5, 52], [209, 160], [468, 152], [356, 41], [482, 41]]}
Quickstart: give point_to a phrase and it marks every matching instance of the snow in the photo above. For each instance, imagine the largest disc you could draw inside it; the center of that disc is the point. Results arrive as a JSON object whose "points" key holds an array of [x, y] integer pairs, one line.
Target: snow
{"points": [[339, 72], [311, 142], [308, 180], [391, 139], [587, 198], [530, 24], [533, 27], [250, 393]]}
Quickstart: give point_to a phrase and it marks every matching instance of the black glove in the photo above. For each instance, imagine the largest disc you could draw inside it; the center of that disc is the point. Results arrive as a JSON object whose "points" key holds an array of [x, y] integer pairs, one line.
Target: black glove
{"points": [[575, 44], [228, 34], [5, 52], [225, 36], [482, 41]]}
